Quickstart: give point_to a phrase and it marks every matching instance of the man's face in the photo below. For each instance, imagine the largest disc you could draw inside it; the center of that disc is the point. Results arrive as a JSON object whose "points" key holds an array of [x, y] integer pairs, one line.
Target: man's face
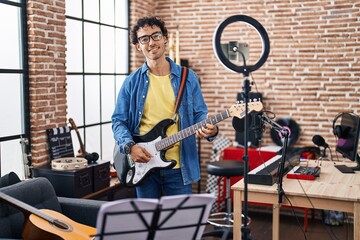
{"points": [[153, 50]]}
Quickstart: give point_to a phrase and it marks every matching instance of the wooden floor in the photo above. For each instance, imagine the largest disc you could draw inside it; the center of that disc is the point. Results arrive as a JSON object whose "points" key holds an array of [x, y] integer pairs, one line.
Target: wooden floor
{"points": [[291, 227]]}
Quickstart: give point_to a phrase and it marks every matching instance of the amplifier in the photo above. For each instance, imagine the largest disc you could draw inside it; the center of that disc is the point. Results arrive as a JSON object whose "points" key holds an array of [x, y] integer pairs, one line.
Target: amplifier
{"points": [[77, 183], [101, 175]]}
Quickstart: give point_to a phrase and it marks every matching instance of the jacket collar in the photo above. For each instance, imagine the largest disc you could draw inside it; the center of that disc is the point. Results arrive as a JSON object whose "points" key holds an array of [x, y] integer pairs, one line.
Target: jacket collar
{"points": [[174, 68]]}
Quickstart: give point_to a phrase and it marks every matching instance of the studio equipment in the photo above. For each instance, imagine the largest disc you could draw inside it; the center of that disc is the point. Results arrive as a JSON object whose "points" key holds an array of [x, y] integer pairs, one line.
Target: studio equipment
{"points": [[242, 45]]}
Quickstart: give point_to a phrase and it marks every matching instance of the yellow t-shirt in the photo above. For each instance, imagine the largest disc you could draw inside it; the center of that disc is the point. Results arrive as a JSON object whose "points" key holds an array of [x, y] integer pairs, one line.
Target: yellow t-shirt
{"points": [[159, 105]]}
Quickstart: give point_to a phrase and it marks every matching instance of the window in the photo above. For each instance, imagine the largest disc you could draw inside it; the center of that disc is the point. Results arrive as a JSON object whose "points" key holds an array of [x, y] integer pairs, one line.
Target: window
{"points": [[13, 86], [97, 63]]}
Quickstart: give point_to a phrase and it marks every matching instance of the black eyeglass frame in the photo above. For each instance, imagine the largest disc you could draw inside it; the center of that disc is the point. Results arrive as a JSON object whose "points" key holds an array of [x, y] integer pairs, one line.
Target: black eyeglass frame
{"points": [[150, 36]]}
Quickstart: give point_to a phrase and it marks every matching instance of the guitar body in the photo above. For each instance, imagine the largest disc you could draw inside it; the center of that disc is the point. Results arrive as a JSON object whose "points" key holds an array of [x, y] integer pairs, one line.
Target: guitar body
{"points": [[37, 228], [132, 173]]}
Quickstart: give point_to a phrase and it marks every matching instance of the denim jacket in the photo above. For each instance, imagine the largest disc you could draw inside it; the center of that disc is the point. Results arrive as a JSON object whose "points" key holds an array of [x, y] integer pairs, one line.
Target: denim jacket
{"points": [[192, 109]]}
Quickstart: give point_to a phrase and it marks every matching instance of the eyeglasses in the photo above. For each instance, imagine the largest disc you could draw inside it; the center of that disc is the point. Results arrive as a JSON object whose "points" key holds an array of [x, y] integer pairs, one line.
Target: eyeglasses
{"points": [[156, 36]]}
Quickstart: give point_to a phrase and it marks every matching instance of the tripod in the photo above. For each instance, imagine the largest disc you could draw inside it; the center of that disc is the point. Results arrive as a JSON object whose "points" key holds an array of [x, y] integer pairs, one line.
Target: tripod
{"points": [[245, 69]]}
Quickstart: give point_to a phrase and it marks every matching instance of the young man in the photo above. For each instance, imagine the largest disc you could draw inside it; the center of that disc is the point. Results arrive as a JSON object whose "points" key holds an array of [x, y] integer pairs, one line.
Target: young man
{"points": [[147, 97]]}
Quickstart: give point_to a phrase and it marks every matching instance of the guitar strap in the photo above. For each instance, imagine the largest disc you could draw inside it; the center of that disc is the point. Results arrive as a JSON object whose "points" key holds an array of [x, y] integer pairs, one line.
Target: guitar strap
{"points": [[184, 74]]}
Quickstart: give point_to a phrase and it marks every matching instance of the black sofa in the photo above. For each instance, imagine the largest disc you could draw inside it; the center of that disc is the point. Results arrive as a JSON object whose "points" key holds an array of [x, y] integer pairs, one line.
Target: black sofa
{"points": [[39, 193]]}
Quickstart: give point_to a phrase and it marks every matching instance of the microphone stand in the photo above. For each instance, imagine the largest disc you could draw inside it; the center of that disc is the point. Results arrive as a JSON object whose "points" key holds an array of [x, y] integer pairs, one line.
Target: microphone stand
{"points": [[285, 135], [245, 229], [322, 156]]}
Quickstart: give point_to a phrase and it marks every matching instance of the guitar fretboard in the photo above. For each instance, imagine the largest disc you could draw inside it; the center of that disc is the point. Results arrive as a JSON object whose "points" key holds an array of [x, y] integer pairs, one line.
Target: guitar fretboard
{"points": [[187, 132], [25, 207]]}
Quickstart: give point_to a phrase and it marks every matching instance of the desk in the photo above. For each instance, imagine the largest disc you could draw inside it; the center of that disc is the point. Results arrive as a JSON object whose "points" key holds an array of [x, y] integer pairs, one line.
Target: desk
{"points": [[333, 190], [109, 190]]}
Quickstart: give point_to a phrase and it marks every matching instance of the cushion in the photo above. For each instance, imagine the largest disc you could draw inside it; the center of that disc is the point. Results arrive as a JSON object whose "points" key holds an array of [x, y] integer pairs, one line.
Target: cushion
{"points": [[9, 179], [37, 192]]}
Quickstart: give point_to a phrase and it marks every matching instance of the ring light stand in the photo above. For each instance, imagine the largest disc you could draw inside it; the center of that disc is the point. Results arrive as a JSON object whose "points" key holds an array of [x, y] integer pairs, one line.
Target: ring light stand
{"points": [[245, 70]]}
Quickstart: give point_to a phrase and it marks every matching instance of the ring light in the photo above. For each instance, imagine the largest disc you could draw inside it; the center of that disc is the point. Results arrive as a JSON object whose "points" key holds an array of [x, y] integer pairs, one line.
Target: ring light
{"points": [[245, 70]]}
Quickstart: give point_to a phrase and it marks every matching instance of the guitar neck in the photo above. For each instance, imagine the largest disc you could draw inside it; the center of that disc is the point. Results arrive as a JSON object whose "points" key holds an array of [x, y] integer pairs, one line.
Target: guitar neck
{"points": [[25, 207], [187, 132], [82, 147]]}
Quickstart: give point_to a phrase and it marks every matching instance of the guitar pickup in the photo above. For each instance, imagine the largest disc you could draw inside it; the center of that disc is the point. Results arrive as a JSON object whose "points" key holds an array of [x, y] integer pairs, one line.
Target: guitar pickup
{"points": [[130, 161]]}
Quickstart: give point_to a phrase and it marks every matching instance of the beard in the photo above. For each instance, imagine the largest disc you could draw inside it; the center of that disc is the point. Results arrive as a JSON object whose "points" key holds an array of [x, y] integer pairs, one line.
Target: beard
{"points": [[155, 52]]}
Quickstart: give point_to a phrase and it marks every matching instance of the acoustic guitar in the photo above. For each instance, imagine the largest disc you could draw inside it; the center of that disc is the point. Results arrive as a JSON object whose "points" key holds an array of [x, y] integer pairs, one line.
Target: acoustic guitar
{"points": [[81, 152], [47, 224], [91, 157]]}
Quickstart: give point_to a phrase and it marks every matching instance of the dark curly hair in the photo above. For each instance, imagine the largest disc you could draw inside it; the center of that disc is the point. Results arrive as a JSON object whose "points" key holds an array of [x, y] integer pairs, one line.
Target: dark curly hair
{"points": [[150, 21]]}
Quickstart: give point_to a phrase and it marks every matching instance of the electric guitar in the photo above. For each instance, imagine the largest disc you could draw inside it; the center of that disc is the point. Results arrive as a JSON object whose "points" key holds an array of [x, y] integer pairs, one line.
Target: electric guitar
{"points": [[47, 224], [156, 142]]}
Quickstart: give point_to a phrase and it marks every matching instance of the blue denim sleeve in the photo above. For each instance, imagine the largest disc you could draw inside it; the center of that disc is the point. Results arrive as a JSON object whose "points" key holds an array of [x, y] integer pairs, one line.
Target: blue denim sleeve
{"points": [[200, 110], [121, 117]]}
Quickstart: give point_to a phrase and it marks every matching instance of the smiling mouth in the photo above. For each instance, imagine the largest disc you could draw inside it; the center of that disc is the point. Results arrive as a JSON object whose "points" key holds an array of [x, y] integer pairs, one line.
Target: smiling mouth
{"points": [[154, 49]]}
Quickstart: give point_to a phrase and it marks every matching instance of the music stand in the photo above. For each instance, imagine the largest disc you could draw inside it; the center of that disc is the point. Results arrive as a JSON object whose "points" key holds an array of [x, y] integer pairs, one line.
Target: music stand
{"points": [[171, 217]]}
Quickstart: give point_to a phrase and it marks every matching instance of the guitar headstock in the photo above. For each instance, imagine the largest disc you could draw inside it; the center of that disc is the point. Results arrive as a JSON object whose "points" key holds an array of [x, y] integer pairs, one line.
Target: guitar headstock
{"points": [[238, 110]]}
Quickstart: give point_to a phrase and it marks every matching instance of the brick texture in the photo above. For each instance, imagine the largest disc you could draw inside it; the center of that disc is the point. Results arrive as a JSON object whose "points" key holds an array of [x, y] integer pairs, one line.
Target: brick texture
{"points": [[46, 29]]}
